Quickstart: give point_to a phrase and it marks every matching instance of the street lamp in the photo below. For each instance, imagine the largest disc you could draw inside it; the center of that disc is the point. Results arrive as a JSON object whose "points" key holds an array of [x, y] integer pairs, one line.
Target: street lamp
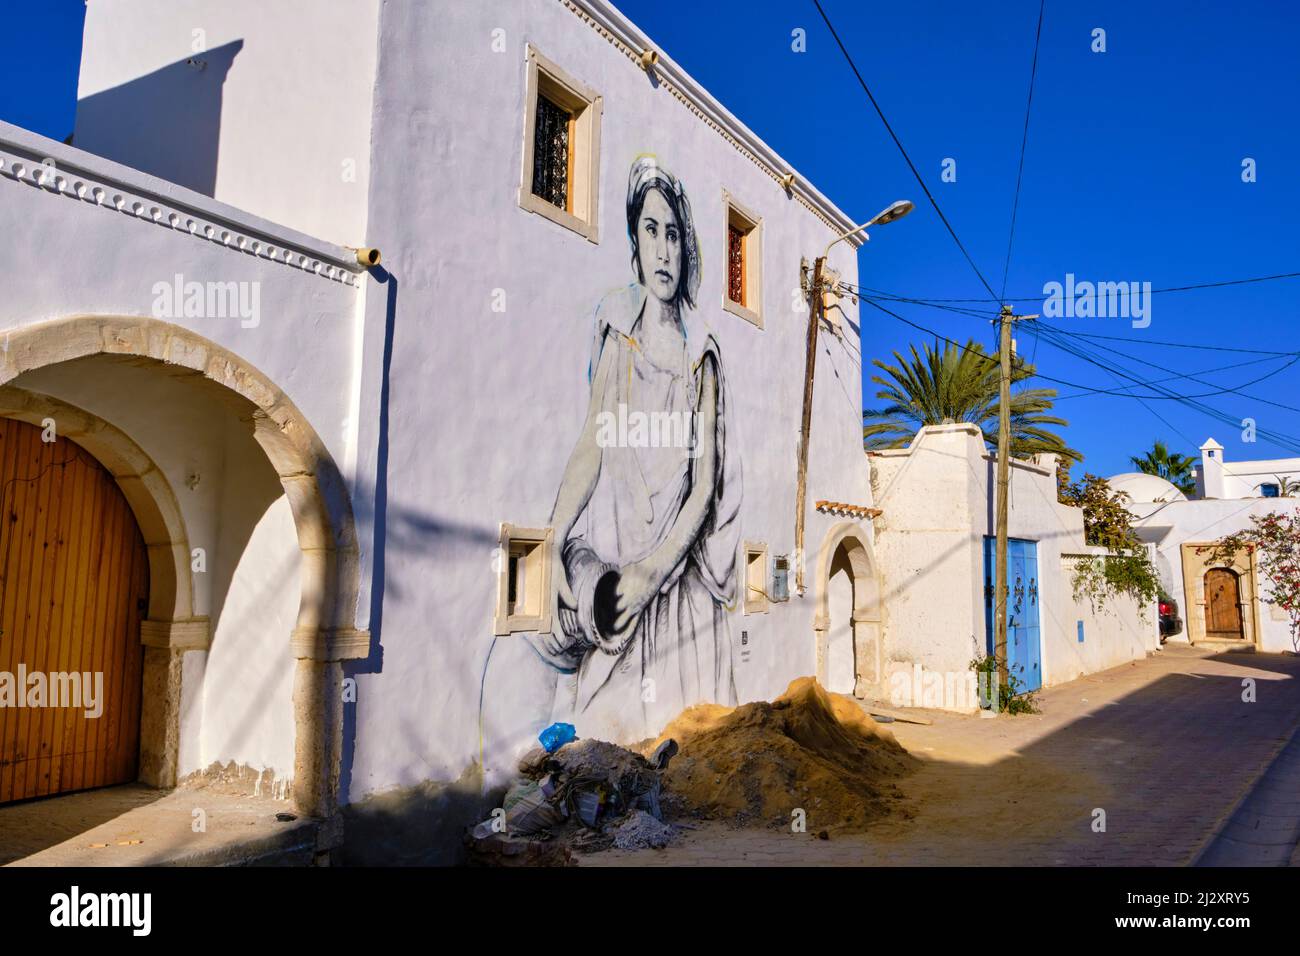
{"points": [[896, 210]]}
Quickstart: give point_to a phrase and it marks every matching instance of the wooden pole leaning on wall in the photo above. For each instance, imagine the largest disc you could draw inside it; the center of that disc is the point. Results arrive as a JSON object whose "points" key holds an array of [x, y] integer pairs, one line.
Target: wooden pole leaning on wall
{"points": [[805, 425]]}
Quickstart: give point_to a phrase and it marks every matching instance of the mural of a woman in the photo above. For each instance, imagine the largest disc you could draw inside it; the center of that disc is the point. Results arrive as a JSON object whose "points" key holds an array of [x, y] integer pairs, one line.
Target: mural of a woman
{"points": [[647, 531]]}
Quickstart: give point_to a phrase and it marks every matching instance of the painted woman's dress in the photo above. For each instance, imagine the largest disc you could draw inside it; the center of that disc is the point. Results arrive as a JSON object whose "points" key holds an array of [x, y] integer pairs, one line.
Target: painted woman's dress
{"points": [[679, 651]]}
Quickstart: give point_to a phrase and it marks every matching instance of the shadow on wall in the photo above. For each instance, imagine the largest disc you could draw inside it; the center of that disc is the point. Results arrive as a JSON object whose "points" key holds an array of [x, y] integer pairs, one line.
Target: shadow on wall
{"points": [[421, 824], [166, 123]]}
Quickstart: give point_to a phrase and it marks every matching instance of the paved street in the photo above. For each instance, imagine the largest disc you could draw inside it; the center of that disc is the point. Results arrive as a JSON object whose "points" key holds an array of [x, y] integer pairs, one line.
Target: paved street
{"points": [[1166, 747]]}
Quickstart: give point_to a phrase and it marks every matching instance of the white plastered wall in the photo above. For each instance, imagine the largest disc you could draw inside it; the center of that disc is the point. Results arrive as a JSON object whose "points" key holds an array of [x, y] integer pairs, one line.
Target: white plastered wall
{"points": [[275, 121], [938, 498], [1171, 525], [485, 406]]}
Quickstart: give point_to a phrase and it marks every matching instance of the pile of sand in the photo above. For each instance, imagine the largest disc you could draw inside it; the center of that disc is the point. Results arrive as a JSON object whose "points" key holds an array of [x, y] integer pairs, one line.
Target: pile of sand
{"points": [[808, 750]]}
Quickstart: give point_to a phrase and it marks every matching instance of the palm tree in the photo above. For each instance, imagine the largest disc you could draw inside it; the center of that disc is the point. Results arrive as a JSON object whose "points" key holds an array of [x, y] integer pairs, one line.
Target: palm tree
{"points": [[960, 384], [1286, 488], [1175, 469]]}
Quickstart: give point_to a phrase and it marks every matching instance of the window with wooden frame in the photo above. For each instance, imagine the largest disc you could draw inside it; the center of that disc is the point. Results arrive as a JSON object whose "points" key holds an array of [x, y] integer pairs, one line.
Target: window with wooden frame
{"points": [[743, 283], [523, 565], [756, 599], [561, 147]]}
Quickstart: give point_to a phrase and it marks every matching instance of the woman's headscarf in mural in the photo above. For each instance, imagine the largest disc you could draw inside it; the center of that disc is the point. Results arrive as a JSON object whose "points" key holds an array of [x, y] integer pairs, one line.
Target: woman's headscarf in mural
{"points": [[646, 174]]}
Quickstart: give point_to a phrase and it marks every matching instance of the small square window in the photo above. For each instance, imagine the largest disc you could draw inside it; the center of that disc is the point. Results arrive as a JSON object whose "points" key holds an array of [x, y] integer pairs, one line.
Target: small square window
{"points": [[756, 599], [561, 147], [743, 286], [1270, 490], [523, 580]]}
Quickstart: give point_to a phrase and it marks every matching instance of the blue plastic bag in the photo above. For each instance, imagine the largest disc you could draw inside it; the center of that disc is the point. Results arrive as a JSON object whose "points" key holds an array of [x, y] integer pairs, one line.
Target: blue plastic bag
{"points": [[556, 736]]}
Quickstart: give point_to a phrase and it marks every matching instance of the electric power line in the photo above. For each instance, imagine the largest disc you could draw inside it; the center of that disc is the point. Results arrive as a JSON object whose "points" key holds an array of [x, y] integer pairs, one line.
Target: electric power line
{"points": [[1116, 372], [897, 142], [1055, 338], [1040, 297], [1024, 141], [867, 292]]}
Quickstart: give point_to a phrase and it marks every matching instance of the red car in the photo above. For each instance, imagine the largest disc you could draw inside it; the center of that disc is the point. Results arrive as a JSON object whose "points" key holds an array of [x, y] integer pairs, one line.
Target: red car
{"points": [[1170, 622]]}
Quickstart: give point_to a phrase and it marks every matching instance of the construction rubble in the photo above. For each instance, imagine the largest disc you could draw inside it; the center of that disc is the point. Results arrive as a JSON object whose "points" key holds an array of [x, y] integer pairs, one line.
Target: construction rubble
{"points": [[809, 756], [588, 795]]}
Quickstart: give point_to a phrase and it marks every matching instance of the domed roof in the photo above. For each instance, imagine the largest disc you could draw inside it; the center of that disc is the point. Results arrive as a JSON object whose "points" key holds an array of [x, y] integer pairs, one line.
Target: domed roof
{"points": [[1145, 488]]}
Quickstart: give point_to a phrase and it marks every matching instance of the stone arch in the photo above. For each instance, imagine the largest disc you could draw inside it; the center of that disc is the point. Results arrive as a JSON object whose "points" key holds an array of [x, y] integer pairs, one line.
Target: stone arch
{"points": [[325, 631], [147, 491], [170, 622], [850, 537]]}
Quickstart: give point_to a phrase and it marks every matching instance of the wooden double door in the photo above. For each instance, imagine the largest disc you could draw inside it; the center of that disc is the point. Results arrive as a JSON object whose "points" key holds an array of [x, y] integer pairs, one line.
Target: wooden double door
{"points": [[74, 585]]}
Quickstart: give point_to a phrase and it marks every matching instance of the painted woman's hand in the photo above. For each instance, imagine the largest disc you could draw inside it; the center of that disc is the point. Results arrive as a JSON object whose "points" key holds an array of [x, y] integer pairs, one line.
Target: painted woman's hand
{"points": [[637, 584]]}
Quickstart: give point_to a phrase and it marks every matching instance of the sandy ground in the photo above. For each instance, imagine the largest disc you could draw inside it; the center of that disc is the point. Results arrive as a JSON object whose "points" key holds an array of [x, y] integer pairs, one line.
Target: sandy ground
{"points": [[1165, 749]]}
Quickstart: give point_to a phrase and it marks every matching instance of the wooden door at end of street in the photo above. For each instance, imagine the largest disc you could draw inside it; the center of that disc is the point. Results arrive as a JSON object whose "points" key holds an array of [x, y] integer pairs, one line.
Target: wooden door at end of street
{"points": [[1222, 604]]}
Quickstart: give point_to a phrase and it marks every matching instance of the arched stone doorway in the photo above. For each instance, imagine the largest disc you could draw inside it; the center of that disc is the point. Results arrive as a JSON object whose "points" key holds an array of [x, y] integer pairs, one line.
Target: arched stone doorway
{"points": [[169, 622], [325, 631], [74, 586], [849, 653]]}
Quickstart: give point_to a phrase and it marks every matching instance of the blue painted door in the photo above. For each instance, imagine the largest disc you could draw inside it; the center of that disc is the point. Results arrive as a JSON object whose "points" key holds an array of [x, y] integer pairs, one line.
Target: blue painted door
{"points": [[1024, 635]]}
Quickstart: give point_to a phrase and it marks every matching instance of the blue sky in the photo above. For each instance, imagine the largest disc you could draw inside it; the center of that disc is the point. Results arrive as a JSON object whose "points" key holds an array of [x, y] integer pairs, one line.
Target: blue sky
{"points": [[1132, 173]]}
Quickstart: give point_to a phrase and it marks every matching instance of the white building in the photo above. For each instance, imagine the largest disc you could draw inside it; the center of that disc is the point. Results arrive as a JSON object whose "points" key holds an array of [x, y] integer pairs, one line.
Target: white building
{"points": [[364, 528], [1223, 603], [365, 494], [935, 540], [1217, 478]]}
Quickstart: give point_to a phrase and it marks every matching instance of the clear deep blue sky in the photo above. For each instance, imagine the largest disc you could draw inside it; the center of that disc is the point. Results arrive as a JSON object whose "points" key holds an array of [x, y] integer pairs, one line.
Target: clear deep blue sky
{"points": [[1133, 169]]}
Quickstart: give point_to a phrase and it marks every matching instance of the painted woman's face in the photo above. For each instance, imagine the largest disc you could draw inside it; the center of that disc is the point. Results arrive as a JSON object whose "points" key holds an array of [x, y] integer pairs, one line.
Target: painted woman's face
{"points": [[659, 246]]}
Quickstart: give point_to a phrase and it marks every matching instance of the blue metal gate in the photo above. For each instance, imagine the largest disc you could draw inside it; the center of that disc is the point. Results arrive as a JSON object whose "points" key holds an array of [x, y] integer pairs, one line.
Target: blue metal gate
{"points": [[1024, 643]]}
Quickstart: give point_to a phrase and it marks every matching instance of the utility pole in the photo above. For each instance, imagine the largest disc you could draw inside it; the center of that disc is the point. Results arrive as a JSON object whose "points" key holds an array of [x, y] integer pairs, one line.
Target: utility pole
{"points": [[1005, 320]]}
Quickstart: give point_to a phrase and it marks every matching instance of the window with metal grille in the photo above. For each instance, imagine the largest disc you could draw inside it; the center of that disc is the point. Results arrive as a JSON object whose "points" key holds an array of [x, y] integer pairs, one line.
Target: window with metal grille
{"points": [[551, 152], [742, 286], [735, 265]]}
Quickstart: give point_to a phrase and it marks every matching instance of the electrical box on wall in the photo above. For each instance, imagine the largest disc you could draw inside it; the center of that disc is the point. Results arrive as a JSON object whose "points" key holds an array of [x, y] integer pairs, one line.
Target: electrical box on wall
{"points": [[781, 578]]}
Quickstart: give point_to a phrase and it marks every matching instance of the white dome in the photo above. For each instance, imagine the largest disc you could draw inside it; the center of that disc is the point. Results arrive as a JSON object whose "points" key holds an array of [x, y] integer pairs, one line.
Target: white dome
{"points": [[1143, 488]]}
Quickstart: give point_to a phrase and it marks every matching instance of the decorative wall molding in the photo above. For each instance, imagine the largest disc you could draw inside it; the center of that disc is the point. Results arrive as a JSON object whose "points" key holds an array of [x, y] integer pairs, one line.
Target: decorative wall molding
{"points": [[62, 171], [624, 35]]}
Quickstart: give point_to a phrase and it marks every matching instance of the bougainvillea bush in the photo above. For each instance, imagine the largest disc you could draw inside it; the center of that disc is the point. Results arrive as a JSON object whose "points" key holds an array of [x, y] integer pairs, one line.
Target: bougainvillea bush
{"points": [[1274, 539], [1107, 522]]}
